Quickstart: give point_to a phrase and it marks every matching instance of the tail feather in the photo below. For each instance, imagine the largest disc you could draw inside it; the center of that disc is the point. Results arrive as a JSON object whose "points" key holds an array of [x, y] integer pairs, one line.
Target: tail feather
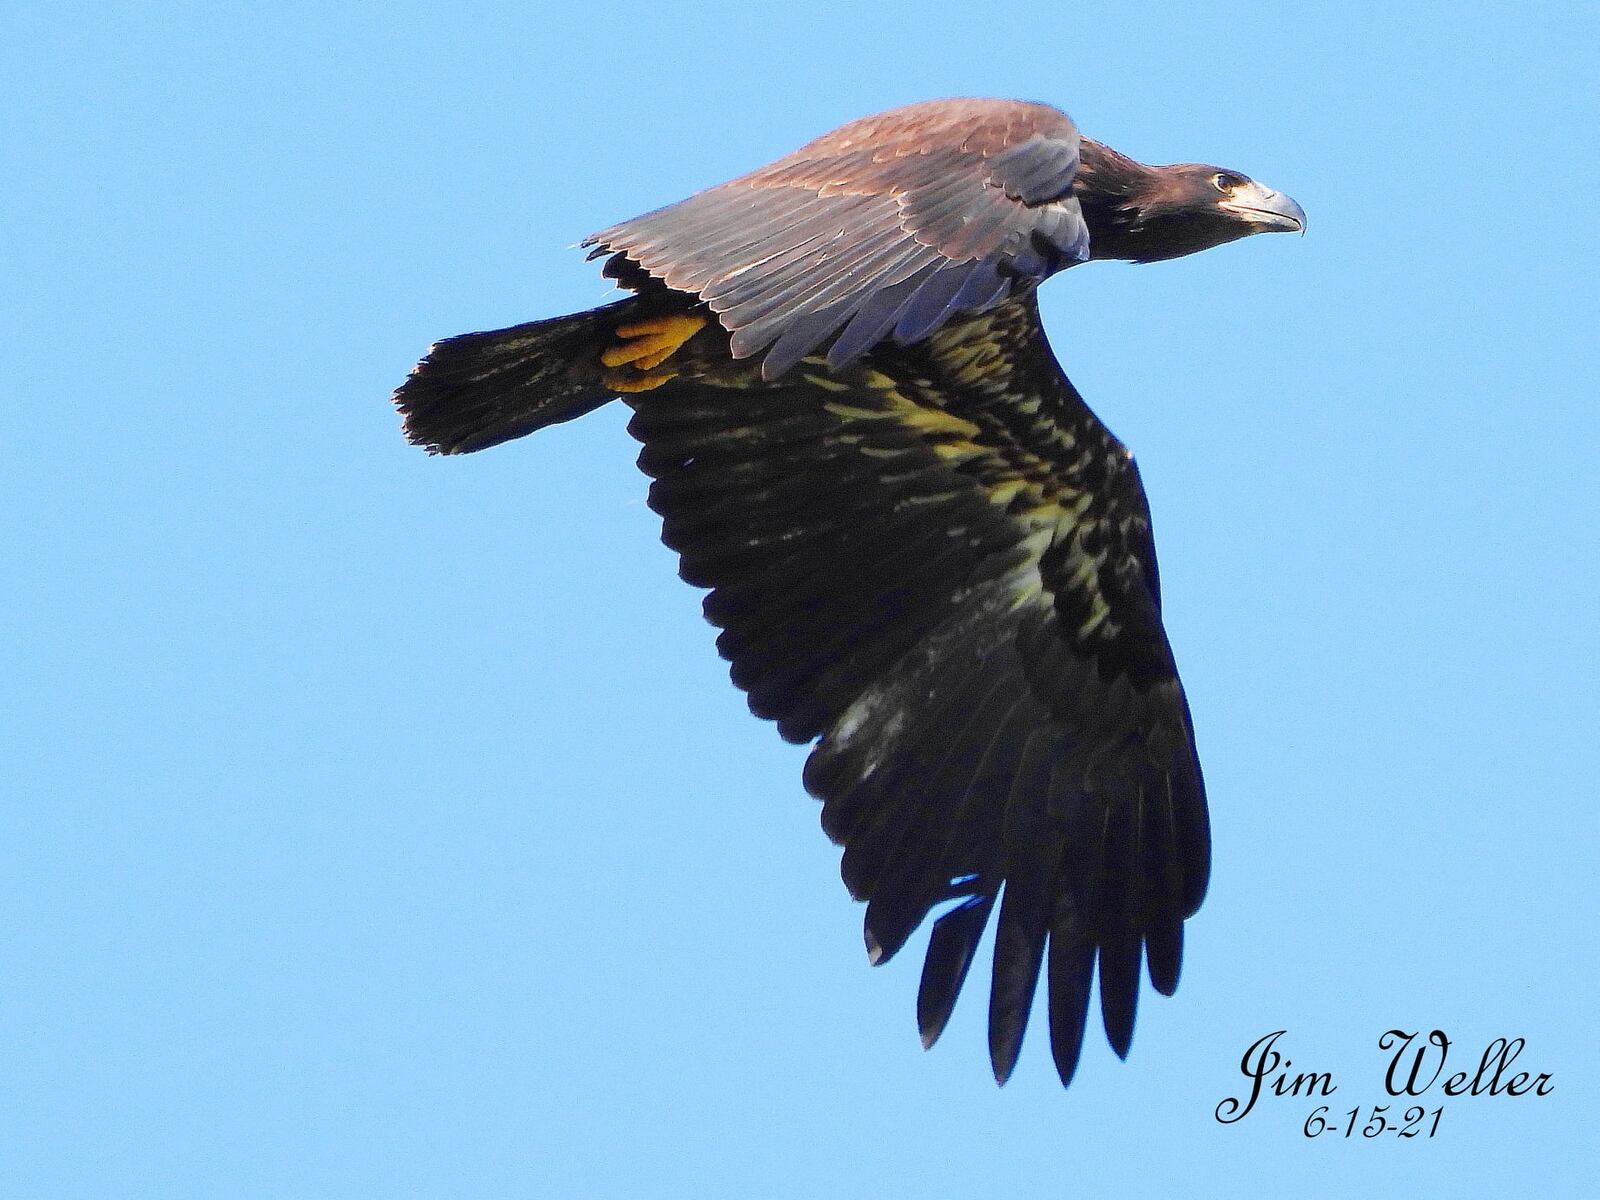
{"points": [[481, 389]]}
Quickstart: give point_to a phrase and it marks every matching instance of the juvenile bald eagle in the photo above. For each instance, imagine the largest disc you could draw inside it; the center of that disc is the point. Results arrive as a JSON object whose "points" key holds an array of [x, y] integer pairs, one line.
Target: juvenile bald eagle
{"points": [[924, 552]]}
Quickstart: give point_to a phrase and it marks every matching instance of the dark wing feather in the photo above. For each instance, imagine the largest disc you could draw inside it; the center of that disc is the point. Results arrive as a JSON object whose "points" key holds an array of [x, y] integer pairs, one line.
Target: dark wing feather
{"points": [[891, 224], [939, 562]]}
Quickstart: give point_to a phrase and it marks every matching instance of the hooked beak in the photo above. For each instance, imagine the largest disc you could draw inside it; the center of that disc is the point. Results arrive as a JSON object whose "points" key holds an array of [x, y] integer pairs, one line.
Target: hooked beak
{"points": [[1264, 208]]}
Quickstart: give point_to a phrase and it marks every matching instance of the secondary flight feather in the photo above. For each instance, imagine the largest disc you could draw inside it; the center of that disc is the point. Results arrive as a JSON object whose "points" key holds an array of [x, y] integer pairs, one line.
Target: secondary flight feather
{"points": [[925, 553]]}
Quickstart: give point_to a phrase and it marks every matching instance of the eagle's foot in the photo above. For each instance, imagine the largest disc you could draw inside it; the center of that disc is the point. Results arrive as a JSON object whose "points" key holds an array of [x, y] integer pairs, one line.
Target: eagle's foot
{"points": [[645, 345]]}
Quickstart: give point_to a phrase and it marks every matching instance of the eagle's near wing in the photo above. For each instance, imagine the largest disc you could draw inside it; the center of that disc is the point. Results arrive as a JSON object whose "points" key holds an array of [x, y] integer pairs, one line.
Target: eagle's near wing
{"points": [[939, 562], [887, 226]]}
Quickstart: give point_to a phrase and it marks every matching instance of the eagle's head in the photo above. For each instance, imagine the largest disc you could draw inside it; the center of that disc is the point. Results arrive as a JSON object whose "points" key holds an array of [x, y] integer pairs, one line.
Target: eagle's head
{"points": [[1148, 214]]}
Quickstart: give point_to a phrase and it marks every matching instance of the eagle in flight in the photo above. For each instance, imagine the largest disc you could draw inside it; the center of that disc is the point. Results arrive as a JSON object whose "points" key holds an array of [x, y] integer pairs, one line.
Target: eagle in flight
{"points": [[925, 553]]}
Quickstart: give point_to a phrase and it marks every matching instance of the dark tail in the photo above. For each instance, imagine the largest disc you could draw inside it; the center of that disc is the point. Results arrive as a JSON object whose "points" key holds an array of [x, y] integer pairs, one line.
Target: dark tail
{"points": [[481, 389]]}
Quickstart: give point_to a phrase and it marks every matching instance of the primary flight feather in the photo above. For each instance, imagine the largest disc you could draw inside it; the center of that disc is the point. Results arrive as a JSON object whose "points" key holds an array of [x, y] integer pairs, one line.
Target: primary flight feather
{"points": [[925, 553]]}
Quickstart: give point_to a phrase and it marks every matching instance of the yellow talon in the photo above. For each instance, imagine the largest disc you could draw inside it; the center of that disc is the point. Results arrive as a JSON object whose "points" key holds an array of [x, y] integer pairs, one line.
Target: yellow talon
{"points": [[648, 344], [638, 383]]}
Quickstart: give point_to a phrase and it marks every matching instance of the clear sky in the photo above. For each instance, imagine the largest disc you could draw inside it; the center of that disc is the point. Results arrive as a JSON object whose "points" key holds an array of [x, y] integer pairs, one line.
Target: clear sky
{"points": [[378, 825]]}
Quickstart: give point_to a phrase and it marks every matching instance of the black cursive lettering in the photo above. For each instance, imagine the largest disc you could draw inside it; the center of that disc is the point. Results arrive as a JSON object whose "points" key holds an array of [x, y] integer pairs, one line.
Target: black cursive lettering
{"points": [[1400, 1041], [1259, 1061]]}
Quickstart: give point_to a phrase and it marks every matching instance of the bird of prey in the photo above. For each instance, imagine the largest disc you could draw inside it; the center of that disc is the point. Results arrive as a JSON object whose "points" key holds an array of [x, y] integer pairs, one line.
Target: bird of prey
{"points": [[925, 553]]}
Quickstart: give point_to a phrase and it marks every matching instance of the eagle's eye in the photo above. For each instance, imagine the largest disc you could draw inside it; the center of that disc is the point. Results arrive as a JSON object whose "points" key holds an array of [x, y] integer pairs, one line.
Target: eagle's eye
{"points": [[1224, 181]]}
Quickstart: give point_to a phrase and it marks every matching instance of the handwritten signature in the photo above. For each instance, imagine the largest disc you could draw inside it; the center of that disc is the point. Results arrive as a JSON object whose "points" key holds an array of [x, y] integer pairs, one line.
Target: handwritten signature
{"points": [[1415, 1066]]}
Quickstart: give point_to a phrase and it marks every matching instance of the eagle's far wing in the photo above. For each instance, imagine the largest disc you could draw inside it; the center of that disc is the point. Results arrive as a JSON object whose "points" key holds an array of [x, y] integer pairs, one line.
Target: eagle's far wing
{"points": [[939, 562], [887, 226]]}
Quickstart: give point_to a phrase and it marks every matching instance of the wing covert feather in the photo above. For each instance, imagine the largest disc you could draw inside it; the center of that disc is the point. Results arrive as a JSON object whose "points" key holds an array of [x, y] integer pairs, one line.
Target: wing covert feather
{"points": [[970, 197]]}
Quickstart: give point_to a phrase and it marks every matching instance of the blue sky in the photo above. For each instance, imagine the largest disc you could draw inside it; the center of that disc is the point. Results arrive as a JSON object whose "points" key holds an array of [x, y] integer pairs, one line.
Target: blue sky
{"points": [[386, 825]]}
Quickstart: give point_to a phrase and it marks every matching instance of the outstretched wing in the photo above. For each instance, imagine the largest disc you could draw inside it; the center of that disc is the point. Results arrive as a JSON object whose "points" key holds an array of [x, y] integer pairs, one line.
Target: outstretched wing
{"points": [[939, 562], [886, 226]]}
